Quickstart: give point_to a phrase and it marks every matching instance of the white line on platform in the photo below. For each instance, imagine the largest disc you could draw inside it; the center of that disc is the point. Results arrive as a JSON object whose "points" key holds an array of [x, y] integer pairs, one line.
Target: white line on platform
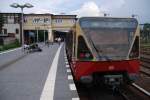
{"points": [[67, 66], [65, 57], [70, 77], [75, 99], [72, 87], [68, 70], [48, 91], [10, 50], [66, 62]]}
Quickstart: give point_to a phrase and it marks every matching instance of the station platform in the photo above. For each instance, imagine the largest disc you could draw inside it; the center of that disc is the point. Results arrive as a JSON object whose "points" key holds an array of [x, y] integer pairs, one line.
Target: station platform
{"points": [[42, 75], [65, 88]]}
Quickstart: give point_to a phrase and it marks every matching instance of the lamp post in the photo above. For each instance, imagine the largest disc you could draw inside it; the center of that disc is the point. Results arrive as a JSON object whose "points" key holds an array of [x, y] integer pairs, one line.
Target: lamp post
{"points": [[44, 31], [26, 5], [44, 35]]}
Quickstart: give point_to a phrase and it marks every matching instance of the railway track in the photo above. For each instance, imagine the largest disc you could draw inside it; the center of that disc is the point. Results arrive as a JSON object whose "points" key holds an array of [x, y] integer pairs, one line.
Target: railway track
{"points": [[144, 70], [130, 92], [145, 52], [141, 89], [145, 65], [134, 92], [97, 92]]}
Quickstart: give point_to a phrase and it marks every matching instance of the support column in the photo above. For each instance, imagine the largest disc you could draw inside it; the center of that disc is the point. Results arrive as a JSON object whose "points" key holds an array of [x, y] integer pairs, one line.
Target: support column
{"points": [[44, 35], [50, 35], [37, 36]]}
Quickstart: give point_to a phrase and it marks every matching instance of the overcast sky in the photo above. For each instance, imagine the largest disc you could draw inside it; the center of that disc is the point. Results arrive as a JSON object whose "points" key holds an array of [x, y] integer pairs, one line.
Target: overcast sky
{"points": [[115, 8]]}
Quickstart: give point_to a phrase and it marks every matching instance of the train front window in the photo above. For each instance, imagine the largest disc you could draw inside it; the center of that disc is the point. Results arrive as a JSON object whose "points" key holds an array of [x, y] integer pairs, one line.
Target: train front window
{"points": [[110, 37]]}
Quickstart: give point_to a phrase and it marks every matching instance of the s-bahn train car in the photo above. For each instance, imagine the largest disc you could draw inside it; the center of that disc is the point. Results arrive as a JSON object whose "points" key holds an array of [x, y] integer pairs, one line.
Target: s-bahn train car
{"points": [[104, 49]]}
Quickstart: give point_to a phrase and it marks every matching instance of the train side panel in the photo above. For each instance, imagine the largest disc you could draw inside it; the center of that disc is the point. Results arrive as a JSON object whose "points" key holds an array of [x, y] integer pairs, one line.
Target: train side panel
{"points": [[86, 68]]}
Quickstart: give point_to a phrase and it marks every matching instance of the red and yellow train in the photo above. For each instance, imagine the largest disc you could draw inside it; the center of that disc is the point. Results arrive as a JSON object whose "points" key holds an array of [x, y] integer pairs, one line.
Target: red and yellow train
{"points": [[104, 48]]}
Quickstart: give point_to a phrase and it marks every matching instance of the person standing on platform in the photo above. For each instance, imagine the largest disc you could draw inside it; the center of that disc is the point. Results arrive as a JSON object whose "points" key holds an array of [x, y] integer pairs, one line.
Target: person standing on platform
{"points": [[59, 40]]}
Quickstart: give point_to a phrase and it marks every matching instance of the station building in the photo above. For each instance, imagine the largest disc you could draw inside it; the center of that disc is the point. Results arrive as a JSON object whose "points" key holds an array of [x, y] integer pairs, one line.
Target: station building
{"points": [[37, 27], [11, 26]]}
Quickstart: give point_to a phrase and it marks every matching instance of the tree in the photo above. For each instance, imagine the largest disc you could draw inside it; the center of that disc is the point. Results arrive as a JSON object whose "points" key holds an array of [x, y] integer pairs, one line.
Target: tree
{"points": [[1, 22], [146, 32]]}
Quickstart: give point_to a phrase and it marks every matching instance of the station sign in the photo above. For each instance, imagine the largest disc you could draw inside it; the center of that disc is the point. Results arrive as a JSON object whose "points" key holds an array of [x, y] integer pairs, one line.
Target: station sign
{"points": [[41, 20]]}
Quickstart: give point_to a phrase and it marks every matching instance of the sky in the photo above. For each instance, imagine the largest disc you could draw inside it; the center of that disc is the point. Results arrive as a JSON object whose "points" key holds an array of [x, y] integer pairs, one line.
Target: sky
{"points": [[81, 8]]}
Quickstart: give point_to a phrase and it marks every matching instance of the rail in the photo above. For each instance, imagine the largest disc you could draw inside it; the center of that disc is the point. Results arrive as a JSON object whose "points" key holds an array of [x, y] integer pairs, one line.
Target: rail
{"points": [[141, 89]]}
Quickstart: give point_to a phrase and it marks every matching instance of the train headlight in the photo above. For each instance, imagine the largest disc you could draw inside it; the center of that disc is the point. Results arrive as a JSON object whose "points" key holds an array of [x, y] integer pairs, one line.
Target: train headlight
{"points": [[82, 55]]}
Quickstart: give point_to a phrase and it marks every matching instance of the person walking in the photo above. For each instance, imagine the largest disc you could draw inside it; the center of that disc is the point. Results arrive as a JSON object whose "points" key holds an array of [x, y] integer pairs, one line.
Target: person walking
{"points": [[59, 40]]}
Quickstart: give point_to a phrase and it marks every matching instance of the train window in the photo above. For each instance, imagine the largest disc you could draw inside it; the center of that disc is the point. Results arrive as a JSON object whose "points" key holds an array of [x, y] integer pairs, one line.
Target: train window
{"points": [[106, 44], [135, 49], [83, 51], [17, 31], [5, 31], [110, 37]]}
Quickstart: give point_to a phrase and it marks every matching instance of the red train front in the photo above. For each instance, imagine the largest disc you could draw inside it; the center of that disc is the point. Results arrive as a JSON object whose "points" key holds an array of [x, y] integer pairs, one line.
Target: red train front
{"points": [[105, 49]]}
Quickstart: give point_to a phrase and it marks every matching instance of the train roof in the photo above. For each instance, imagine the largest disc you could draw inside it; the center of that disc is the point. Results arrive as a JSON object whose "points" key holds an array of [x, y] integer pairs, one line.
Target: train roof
{"points": [[109, 18]]}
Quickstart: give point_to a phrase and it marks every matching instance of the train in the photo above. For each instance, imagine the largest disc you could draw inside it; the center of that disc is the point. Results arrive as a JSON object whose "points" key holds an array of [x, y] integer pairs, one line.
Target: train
{"points": [[105, 49]]}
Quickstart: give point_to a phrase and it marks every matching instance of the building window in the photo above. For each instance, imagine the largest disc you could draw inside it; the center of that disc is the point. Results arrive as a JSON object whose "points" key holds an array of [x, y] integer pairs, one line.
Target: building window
{"points": [[17, 31], [58, 20], [5, 20], [16, 20], [10, 20], [73, 21], [5, 31], [25, 19]]}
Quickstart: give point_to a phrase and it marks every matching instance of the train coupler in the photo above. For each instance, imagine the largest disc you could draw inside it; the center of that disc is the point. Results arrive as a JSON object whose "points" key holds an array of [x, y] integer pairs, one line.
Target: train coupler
{"points": [[113, 80]]}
